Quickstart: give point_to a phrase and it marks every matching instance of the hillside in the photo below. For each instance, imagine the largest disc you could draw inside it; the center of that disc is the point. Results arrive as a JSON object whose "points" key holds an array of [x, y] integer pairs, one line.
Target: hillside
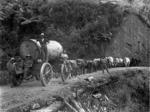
{"points": [[132, 40], [104, 29]]}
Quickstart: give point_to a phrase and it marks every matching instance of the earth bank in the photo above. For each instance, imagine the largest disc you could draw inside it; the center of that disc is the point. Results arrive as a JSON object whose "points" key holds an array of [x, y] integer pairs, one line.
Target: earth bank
{"points": [[124, 91]]}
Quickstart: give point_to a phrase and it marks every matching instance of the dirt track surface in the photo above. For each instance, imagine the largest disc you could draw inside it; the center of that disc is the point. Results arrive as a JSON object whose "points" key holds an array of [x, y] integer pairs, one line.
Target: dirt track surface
{"points": [[32, 90]]}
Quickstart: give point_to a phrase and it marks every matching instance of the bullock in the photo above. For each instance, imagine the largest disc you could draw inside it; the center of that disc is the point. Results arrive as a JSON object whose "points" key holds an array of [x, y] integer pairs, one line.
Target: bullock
{"points": [[74, 66], [110, 61], [81, 64], [135, 62], [126, 61], [121, 62], [96, 64], [89, 66], [103, 64], [116, 62]]}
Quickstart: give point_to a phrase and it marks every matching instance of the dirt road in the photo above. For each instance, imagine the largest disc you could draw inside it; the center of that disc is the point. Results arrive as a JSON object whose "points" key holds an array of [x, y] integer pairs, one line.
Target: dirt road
{"points": [[32, 90]]}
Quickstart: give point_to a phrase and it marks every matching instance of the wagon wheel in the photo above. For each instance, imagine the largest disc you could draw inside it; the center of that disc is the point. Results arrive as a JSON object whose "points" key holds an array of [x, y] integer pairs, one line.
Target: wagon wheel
{"points": [[64, 72], [46, 74]]}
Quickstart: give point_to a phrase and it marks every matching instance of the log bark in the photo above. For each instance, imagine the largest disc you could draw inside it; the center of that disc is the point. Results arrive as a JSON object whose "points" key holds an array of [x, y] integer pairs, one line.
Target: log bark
{"points": [[145, 19], [71, 101], [77, 105], [52, 108], [70, 106]]}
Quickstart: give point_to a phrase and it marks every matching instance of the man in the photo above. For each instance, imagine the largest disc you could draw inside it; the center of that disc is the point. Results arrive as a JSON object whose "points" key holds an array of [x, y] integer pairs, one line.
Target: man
{"points": [[66, 63], [42, 39], [64, 55], [14, 68], [43, 42], [27, 64], [103, 62], [18, 65], [81, 63], [15, 65]]}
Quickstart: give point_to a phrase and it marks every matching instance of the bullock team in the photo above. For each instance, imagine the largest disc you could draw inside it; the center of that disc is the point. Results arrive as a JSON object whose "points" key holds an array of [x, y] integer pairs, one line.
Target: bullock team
{"points": [[82, 66]]}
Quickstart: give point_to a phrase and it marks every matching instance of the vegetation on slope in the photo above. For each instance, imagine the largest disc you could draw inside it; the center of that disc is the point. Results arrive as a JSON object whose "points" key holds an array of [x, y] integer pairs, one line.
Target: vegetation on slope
{"points": [[81, 24], [78, 25], [126, 91]]}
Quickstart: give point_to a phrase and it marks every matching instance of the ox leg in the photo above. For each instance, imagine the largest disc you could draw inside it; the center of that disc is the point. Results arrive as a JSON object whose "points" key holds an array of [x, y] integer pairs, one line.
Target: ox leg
{"points": [[107, 71], [11, 79], [78, 71], [70, 69], [94, 69], [82, 72], [104, 67], [69, 75], [90, 69], [128, 64], [75, 72]]}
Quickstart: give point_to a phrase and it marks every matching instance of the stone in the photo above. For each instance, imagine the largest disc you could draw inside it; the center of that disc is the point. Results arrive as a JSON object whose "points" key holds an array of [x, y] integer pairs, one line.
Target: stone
{"points": [[35, 106]]}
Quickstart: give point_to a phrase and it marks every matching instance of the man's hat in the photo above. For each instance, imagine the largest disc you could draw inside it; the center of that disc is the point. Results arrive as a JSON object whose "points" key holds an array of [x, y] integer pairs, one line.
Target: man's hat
{"points": [[42, 33], [28, 55], [12, 58]]}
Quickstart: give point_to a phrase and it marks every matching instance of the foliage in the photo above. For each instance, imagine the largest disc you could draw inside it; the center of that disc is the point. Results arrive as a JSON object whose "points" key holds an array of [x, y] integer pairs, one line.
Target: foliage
{"points": [[130, 2], [145, 10], [78, 23], [122, 91]]}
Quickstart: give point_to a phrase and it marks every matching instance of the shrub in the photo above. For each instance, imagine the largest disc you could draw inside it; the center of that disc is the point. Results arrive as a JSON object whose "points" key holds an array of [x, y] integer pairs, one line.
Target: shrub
{"points": [[92, 23]]}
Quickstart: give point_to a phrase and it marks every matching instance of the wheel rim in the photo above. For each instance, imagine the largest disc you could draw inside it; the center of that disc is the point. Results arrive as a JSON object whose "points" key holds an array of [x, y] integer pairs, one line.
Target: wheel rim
{"points": [[46, 74], [64, 72]]}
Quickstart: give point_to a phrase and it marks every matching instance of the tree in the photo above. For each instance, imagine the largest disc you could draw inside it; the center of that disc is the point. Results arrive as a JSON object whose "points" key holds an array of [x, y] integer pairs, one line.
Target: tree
{"points": [[91, 23], [130, 2]]}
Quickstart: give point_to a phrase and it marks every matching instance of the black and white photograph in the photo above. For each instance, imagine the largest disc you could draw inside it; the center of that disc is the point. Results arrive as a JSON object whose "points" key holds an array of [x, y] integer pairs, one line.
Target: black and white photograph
{"points": [[74, 55]]}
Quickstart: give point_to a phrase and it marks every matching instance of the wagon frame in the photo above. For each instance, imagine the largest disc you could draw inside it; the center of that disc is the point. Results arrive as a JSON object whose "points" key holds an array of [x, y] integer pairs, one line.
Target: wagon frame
{"points": [[42, 68]]}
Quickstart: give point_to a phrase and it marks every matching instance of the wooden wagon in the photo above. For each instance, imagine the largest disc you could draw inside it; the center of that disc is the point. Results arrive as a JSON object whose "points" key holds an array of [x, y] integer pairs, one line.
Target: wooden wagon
{"points": [[42, 68]]}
